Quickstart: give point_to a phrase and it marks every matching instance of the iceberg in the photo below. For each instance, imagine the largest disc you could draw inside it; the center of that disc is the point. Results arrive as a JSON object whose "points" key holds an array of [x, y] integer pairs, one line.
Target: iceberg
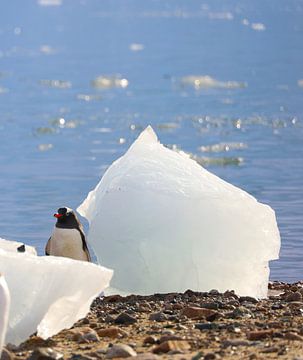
{"points": [[165, 224], [48, 294], [4, 310]]}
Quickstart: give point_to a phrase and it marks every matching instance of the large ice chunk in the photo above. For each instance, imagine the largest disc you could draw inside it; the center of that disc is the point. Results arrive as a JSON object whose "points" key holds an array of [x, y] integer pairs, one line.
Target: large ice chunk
{"points": [[4, 310], [48, 293], [166, 224], [16, 246]]}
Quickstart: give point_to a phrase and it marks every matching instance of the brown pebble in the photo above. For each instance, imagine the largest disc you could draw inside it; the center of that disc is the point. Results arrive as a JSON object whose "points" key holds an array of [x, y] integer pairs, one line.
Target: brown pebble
{"points": [[84, 335], [194, 312], [171, 345], [293, 296], [259, 335], [293, 336], [120, 351], [111, 332], [113, 298], [170, 337], [150, 340]]}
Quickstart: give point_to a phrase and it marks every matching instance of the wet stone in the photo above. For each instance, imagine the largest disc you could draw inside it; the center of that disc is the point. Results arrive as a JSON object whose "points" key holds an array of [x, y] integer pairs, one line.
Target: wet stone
{"points": [[150, 340], [293, 296], [159, 317], [206, 326], [125, 319], [6, 355], [259, 335], [171, 346], [45, 354], [85, 335], [120, 351], [112, 332]]}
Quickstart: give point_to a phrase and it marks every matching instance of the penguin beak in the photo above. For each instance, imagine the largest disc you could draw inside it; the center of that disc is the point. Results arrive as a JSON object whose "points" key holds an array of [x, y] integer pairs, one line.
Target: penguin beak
{"points": [[58, 216]]}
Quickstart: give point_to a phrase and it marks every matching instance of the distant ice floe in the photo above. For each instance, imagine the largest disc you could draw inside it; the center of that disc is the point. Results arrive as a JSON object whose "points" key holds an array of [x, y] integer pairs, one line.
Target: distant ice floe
{"points": [[109, 82], [221, 147], [88, 97], [165, 224], [49, 2], [254, 26], [45, 147], [206, 81], [47, 50], [136, 47], [59, 84], [223, 15], [258, 26], [48, 294]]}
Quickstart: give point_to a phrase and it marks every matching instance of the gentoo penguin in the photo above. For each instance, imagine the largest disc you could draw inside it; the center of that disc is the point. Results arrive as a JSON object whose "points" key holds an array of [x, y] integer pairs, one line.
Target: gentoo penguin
{"points": [[68, 239], [4, 310]]}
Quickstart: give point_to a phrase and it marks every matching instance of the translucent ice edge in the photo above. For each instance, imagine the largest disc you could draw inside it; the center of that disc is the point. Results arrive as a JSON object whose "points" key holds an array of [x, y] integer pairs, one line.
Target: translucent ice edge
{"points": [[166, 224], [48, 294]]}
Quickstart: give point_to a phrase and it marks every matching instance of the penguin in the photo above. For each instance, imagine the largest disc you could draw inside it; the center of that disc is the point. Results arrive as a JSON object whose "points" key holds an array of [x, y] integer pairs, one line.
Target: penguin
{"points": [[68, 238]]}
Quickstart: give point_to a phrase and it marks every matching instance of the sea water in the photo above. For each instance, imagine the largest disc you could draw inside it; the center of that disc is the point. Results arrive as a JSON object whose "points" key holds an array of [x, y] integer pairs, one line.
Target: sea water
{"points": [[79, 80]]}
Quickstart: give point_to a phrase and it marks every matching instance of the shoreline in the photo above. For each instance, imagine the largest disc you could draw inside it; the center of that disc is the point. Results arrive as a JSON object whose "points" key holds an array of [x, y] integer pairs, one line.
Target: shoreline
{"points": [[190, 325]]}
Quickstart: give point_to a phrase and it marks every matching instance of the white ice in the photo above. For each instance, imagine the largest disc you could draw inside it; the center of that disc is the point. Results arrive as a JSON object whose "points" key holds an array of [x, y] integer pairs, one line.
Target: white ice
{"points": [[48, 293], [4, 310], [165, 224], [9, 245]]}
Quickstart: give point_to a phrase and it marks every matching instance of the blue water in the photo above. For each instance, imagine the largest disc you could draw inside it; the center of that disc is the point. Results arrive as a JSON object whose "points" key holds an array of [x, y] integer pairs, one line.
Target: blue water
{"points": [[46, 163]]}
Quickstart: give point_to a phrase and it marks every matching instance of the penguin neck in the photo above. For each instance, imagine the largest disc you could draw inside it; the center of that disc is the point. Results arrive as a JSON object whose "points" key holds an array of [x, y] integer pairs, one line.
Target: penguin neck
{"points": [[67, 223]]}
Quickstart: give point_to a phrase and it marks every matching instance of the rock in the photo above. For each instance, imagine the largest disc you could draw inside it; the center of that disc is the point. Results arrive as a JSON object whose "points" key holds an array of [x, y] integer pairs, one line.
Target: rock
{"points": [[113, 298], [210, 356], [45, 354], [293, 336], [85, 335], [120, 351], [150, 340], [270, 349], [293, 296], [165, 338], [239, 313], [230, 294], [80, 357], [159, 317], [235, 342], [248, 299], [214, 292], [125, 319], [198, 356], [210, 305], [109, 319], [206, 326], [259, 335], [147, 356], [171, 345], [194, 312], [111, 332], [6, 355]]}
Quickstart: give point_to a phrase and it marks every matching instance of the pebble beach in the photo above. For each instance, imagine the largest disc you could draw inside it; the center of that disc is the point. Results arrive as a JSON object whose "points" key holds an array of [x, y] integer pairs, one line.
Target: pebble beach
{"points": [[190, 325]]}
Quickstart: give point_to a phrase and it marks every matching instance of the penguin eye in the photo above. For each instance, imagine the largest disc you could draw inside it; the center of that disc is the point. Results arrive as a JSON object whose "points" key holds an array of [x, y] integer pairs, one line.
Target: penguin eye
{"points": [[62, 211]]}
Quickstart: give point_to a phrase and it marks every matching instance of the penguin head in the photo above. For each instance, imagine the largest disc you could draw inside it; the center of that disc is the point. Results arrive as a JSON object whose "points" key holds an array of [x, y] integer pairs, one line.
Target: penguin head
{"points": [[63, 213], [66, 218]]}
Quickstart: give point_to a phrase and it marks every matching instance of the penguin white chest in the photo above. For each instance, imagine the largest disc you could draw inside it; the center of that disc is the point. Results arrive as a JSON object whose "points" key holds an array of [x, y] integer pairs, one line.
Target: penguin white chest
{"points": [[67, 243]]}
